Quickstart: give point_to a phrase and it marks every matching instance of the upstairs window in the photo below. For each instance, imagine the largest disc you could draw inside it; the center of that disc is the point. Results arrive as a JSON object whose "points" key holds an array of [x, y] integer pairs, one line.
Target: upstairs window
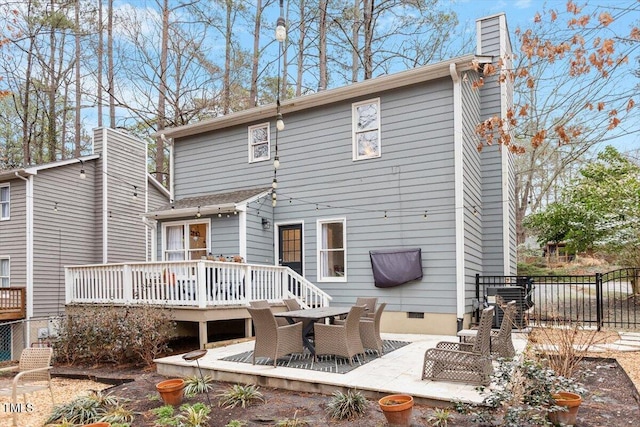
{"points": [[332, 250], [4, 272], [4, 201], [259, 143], [366, 129]]}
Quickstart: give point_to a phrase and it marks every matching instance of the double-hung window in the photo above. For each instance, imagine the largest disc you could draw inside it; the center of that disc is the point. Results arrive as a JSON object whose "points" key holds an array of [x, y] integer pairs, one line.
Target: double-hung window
{"points": [[332, 250], [185, 241], [5, 199], [4, 273], [259, 143], [366, 129]]}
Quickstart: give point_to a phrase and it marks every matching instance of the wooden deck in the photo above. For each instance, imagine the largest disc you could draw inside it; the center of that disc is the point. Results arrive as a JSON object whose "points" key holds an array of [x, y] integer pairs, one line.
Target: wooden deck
{"points": [[13, 303]]}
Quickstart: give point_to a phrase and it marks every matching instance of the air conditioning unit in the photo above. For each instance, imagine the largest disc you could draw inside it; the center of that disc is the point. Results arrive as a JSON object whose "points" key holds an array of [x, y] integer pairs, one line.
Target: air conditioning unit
{"points": [[506, 294]]}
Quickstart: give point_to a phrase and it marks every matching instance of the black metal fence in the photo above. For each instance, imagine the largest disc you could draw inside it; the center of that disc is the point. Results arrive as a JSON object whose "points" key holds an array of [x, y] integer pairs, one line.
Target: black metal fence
{"points": [[608, 300]]}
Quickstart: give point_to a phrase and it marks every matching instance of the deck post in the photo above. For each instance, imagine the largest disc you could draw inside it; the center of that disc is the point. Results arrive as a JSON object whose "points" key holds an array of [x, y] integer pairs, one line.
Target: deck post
{"points": [[127, 285], [203, 334], [248, 284], [201, 281]]}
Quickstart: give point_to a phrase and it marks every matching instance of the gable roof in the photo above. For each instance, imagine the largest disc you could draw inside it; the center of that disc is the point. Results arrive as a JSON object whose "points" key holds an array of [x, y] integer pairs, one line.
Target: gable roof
{"points": [[363, 88], [223, 202], [33, 170]]}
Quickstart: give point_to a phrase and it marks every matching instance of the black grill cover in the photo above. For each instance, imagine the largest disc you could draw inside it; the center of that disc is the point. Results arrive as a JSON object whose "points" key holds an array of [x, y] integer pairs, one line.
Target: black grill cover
{"points": [[396, 266]]}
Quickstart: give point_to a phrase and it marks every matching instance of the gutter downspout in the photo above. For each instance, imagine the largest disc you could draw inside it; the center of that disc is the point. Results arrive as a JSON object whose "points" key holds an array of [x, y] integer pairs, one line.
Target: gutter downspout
{"points": [[29, 242], [171, 165], [459, 195]]}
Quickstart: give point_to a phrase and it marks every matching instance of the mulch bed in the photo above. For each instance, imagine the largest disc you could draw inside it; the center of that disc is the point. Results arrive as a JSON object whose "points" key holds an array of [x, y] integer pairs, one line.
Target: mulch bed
{"points": [[612, 400]]}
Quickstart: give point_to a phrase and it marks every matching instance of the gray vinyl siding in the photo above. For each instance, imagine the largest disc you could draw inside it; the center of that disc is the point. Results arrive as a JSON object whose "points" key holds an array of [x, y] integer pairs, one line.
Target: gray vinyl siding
{"points": [[13, 237], [472, 188], [260, 242], [224, 235], [126, 167], [63, 237], [414, 174]]}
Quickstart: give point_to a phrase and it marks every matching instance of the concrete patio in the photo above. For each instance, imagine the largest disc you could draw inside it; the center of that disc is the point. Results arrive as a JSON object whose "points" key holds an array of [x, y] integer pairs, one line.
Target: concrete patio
{"points": [[396, 372]]}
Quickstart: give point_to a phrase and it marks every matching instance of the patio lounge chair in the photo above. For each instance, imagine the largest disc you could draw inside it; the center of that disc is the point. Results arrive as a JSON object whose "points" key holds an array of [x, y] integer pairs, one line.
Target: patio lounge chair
{"points": [[263, 303], [467, 363], [274, 341], [370, 330], [501, 342], [34, 373], [340, 340]]}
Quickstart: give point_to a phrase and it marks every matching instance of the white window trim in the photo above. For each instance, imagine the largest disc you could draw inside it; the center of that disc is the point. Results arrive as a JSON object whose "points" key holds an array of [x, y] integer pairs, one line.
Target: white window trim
{"points": [[8, 272], [354, 133], [250, 143], [8, 202], [185, 225], [319, 224]]}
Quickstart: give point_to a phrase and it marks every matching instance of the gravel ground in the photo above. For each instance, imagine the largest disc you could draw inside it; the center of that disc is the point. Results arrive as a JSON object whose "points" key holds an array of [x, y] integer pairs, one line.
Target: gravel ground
{"points": [[64, 389]]}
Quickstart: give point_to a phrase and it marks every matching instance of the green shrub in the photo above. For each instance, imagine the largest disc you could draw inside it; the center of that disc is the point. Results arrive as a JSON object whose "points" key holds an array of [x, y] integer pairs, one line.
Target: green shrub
{"points": [[239, 394], [165, 416], [347, 406], [115, 335]]}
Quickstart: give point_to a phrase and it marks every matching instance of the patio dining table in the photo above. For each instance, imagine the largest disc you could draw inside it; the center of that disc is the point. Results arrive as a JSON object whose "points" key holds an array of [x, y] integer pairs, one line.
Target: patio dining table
{"points": [[314, 315]]}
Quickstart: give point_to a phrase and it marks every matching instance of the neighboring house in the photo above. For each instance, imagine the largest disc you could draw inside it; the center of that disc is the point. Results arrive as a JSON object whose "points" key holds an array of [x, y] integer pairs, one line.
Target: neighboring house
{"points": [[384, 164], [70, 212]]}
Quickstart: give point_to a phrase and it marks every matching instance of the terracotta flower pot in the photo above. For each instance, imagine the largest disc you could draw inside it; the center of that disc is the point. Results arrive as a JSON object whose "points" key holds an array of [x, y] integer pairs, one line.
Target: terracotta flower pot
{"points": [[569, 400], [100, 424], [171, 391], [397, 409]]}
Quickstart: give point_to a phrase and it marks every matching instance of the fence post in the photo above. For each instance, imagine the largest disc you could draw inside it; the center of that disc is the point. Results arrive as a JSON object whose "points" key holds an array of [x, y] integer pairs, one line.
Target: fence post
{"points": [[599, 300]]}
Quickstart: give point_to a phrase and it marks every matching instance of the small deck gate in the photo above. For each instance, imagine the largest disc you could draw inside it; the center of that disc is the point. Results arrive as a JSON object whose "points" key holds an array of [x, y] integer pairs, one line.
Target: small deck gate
{"points": [[600, 300]]}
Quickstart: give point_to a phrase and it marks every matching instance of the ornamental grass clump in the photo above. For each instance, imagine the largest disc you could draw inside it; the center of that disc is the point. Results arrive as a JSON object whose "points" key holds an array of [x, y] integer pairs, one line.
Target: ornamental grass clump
{"points": [[347, 406], [239, 394]]}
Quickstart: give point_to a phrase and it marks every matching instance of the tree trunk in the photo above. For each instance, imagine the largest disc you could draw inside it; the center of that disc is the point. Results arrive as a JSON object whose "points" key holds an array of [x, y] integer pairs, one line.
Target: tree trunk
{"points": [[110, 71], [300, 58], [26, 134], [253, 91], [355, 36], [78, 87], [226, 79], [367, 54], [322, 45], [100, 59], [162, 90]]}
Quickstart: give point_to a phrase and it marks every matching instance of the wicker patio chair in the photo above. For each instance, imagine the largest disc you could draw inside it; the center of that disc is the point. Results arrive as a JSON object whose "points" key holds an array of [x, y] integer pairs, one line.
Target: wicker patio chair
{"points": [[274, 341], [292, 305], [370, 330], [263, 303], [369, 303], [501, 342], [468, 363], [340, 340], [33, 375]]}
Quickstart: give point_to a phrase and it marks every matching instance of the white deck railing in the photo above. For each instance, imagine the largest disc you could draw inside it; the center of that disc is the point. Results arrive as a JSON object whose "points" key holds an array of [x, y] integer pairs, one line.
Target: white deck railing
{"points": [[188, 283]]}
